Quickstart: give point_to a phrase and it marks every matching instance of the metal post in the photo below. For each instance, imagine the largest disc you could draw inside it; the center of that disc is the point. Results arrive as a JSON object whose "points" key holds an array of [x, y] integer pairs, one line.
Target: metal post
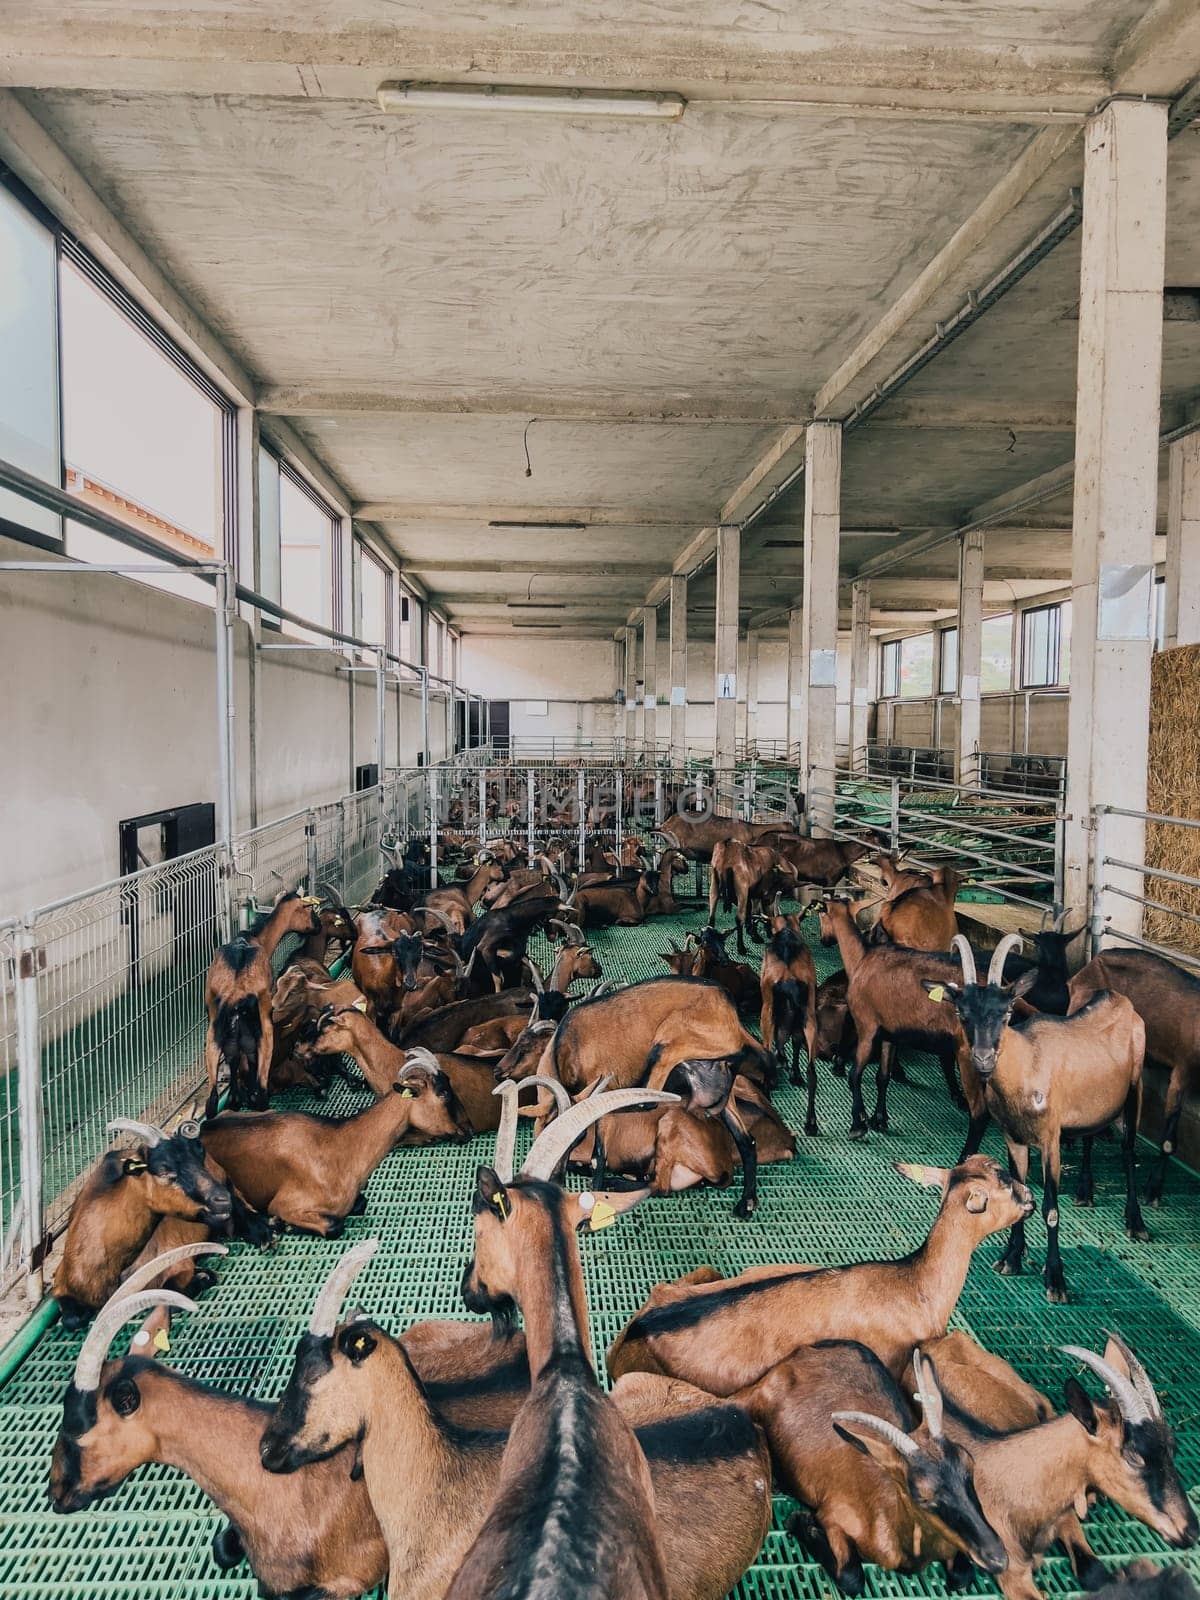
{"points": [[530, 809], [310, 850], [380, 714], [425, 713], [619, 790], [482, 807], [658, 800], [432, 791], [699, 789], [1096, 910], [895, 809], [226, 787], [746, 812], [581, 802], [29, 1107]]}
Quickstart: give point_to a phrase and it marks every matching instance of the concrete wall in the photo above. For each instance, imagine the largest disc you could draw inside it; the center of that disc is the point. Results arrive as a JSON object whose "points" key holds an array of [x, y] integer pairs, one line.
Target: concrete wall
{"points": [[573, 676], [110, 712]]}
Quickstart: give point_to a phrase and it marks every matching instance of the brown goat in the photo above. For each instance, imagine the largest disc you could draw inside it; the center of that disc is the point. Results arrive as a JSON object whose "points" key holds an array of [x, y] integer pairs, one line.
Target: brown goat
{"points": [[789, 1003], [457, 901], [1046, 1076], [820, 861], [1168, 1001], [120, 1204], [923, 918], [744, 878], [697, 835], [889, 1006], [724, 1334], [843, 1443], [444, 1029], [1030, 1480], [237, 997], [310, 1172]]}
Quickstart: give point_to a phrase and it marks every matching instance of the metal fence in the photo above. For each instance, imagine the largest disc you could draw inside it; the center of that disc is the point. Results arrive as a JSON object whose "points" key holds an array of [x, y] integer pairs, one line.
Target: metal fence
{"points": [[1007, 846], [1165, 903]]}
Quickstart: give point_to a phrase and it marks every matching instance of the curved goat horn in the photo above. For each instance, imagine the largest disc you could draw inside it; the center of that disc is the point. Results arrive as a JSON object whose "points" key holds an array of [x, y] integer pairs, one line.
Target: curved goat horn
{"points": [[327, 1307], [110, 1319], [538, 981], [141, 1277], [895, 1436], [967, 956], [928, 1393], [506, 1135], [439, 916], [418, 1058], [1010, 941], [1138, 1375], [143, 1130], [1133, 1407], [556, 1142]]}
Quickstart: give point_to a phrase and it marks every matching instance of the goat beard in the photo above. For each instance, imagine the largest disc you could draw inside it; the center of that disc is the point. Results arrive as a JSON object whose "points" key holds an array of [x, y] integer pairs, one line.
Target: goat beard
{"points": [[502, 1308]]}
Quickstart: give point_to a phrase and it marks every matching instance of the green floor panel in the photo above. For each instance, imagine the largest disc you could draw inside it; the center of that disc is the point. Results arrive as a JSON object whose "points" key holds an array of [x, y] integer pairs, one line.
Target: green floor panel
{"points": [[836, 1201]]}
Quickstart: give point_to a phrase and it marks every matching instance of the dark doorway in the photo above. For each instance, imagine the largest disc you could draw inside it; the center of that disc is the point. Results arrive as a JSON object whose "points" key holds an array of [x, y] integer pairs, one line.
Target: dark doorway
{"points": [[499, 710], [168, 913]]}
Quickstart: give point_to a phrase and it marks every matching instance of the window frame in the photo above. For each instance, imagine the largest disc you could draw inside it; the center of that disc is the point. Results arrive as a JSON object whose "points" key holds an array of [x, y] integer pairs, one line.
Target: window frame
{"points": [[1053, 646], [889, 669], [367, 552], [945, 634], [334, 517]]}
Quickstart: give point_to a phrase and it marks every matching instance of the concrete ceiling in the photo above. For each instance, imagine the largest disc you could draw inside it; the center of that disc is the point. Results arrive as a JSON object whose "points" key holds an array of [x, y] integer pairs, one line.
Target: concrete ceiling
{"points": [[670, 301]]}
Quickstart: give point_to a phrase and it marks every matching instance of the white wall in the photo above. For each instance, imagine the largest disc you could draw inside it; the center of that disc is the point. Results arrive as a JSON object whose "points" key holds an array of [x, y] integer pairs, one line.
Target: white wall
{"points": [[574, 677]]}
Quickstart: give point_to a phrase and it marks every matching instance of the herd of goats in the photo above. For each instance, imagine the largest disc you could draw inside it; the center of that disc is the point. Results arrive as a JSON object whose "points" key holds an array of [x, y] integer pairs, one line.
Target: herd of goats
{"points": [[464, 1460]]}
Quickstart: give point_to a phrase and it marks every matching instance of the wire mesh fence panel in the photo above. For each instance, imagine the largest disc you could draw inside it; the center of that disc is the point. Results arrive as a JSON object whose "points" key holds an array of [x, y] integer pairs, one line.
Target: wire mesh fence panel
{"points": [[10, 1169], [326, 851], [120, 990], [272, 858], [360, 843]]}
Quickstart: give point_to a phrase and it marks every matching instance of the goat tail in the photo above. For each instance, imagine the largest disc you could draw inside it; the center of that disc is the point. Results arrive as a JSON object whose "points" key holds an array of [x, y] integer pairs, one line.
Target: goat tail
{"points": [[756, 1062], [237, 1031]]}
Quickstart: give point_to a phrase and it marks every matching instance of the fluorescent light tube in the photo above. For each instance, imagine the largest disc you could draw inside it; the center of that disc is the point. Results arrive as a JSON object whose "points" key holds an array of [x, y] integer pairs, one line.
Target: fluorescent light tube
{"points": [[517, 97]]}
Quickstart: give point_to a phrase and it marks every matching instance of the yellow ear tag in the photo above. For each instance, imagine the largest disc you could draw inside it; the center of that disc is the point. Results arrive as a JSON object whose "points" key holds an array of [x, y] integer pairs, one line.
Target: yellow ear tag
{"points": [[500, 1205], [603, 1215], [162, 1342], [360, 1005], [408, 1094], [937, 994]]}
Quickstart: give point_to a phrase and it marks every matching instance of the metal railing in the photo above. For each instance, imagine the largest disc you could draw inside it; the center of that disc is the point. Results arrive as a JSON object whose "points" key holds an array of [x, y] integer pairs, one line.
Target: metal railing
{"points": [[1010, 846], [1168, 906]]}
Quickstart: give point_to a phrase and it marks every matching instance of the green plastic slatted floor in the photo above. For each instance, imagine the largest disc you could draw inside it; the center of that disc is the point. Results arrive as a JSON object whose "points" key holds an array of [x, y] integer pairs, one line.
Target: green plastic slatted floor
{"points": [[837, 1201]]}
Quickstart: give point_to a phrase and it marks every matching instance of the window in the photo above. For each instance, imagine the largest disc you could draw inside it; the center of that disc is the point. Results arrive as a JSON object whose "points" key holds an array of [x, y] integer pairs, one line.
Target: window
{"points": [[1064, 642], [144, 434], [29, 411], [1160, 613], [995, 667], [307, 543], [916, 666], [948, 679], [408, 632], [1039, 647], [889, 670], [374, 580], [268, 528]]}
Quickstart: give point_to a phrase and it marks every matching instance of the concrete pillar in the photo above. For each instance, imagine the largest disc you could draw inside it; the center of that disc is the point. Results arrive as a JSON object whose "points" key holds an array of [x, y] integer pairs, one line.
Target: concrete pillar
{"points": [[630, 686], [649, 674], [860, 671], [678, 686], [729, 551], [970, 646], [795, 678], [822, 538], [1181, 599], [1116, 487], [751, 687]]}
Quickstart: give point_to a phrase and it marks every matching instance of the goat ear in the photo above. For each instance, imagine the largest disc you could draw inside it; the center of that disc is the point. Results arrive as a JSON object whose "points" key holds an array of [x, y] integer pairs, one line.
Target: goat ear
{"points": [[599, 1208], [977, 1199], [491, 1194], [356, 1342], [1079, 1404], [868, 1442], [1024, 983], [942, 992], [927, 1177], [1114, 1354]]}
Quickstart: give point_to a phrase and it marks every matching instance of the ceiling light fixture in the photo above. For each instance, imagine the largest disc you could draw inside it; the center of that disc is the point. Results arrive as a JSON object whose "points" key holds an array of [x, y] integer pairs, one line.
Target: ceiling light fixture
{"points": [[536, 605], [542, 527], [523, 98]]}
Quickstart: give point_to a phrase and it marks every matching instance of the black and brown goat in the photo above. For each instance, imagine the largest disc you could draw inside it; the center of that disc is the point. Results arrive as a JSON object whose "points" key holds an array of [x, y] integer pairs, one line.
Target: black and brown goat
{"points": [[878, 1489], [745, 878], [889, 1005], [237, 997], [494, 946], [1041, 1077], [445, 1029], [824, 862], [310, 1172], [697, 834], [723, 1334], [1168, 1001], [789, 1003], [706, 957], [121, 1203], [1033, 1479], [922, 917]]}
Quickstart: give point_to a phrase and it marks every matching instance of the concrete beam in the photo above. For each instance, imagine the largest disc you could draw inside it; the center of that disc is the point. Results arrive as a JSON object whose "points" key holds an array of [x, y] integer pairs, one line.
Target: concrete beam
{"points": [[973, 414], [970, 656], [678, 684], [636, 406], [1161, 52], [822, 522], [175, 53], [1182, 596], [633, 571], [725, 652], [556, 516], [630, 685], [649, 674], [860, 671]]}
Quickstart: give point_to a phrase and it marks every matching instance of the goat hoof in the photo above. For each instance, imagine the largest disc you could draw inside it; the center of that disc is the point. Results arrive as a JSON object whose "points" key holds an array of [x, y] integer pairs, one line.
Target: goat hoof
{"points": [[879, 1121], [838, 1068], [1138, 1231], [1007, 1267], [745, 1208], [813, 1129], [1056, 1294], [201, 1282], [359, 1206], [858, 1130], [1085, 1197], [959, 1099]]}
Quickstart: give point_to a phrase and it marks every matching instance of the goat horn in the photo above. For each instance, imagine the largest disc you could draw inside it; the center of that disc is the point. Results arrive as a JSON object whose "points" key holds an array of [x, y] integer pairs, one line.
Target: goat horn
{"points": [[439, 916], [556, 1142], [538, 982], [142, 1277], [1010, 941], [328, 1305], [1133, 1407], [419, 1059], [143, 1130], [506, 1135], [967, 956], [110, 1319], [928, 1393], [895, 1436], [1138, 1375]]}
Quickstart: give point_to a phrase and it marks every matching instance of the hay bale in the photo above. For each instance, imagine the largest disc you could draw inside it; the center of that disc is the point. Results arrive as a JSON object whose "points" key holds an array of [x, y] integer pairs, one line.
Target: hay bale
{"points": [[1174, 790]]}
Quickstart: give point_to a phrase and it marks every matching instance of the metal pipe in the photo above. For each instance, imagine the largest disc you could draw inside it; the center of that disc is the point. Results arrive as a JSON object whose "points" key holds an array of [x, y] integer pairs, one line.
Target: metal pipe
{"points": [[29, 1105], [482, 807], [425, 714], [530, 809], [581, 803], [381, 717], [431, 790], [226, 789]]}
